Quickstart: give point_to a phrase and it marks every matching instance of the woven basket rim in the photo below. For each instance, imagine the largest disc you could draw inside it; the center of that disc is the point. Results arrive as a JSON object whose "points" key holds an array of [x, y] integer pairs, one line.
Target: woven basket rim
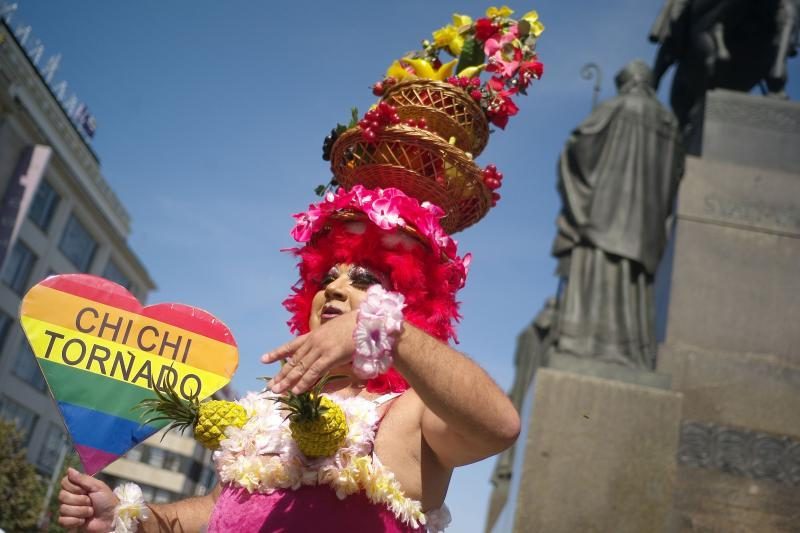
{"points": [[433, 143], [474, 109]]}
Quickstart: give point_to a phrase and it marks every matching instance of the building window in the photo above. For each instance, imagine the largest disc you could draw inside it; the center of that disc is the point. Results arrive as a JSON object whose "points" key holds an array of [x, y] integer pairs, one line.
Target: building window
{"points": [[135, 454], [172, 462], [27, 369], [5, 325], [113, 273], [43, 206], [148, 492], [155, 457], [24, 418], [18, 268], [77, 244], [208, 478], [53, 443]]}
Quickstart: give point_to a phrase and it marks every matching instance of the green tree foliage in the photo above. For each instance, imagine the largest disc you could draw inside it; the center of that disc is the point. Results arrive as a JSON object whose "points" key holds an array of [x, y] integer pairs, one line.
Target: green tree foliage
{"points": [[21, 490], [51, 520]]}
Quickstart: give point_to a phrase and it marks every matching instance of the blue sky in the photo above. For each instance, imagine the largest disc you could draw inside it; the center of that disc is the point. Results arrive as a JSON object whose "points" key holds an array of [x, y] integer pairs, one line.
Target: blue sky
{"points": [[211, 117]]}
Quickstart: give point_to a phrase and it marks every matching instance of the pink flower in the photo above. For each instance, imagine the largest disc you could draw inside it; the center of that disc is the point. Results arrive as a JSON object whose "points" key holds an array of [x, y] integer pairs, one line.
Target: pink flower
{"points": [[385, 213], [498, 42], [305, 226], [380, 318]]}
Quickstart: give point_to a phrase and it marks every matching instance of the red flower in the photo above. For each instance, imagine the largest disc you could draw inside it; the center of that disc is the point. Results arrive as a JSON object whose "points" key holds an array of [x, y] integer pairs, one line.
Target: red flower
{"points": [[500, 108], [485, 29], [528, 71]]}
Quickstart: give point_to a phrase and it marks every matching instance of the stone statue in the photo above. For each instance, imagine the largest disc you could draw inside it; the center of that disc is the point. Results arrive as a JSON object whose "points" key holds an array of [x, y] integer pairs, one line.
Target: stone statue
{"points": [[729, 44], [533, 344], [618, 176]]}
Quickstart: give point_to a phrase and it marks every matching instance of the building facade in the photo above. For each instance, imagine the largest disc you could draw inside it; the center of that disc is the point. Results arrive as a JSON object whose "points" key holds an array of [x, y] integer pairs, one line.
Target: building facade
{"points": [[72, 222]]}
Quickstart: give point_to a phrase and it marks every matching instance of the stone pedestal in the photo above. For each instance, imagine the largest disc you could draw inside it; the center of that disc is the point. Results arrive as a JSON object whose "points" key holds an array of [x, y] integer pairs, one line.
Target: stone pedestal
{"points": [[596, 455], [729, 319]]}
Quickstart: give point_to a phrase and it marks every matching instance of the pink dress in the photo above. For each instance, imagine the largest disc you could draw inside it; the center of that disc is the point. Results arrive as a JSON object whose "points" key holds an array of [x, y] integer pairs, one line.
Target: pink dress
{"points": [[307, 509]]}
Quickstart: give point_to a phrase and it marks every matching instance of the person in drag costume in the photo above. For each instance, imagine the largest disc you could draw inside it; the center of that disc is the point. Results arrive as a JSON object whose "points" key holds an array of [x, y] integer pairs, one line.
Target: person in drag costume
{"points": [[372, 409], [432, 410]]}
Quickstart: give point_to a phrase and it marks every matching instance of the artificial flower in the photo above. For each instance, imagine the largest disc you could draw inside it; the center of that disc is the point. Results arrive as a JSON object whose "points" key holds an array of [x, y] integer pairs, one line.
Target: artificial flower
{"points": [[424, 69], [385, 213], [485, 29], [528, 71], [532, 18], [505, 62], [499, 42], [494, 12], [450, 38], [501, 106], [461, 21], [400, 72]]}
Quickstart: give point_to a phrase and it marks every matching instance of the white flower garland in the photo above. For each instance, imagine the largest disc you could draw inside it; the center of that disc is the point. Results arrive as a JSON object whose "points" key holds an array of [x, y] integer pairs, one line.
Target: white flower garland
{"points": [[261, 456]]}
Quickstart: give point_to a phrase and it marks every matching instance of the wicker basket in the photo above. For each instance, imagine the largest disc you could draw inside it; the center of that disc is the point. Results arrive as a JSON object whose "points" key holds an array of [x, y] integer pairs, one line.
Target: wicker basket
{"points": [[420, 164], [448, 111]]}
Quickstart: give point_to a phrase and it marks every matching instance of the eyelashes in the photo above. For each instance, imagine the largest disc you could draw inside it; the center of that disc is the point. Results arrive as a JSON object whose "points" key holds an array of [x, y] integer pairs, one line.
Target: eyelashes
{"points": [[359, 277]]}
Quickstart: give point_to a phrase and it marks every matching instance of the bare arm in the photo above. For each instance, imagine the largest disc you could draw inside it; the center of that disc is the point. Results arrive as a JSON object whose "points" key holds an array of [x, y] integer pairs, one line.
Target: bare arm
{"points": [[467, 416], [187, 515]]}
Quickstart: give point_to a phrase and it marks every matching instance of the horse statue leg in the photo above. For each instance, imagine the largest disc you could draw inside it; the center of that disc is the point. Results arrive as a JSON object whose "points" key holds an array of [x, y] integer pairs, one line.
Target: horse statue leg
{"points": [[785, 46]]}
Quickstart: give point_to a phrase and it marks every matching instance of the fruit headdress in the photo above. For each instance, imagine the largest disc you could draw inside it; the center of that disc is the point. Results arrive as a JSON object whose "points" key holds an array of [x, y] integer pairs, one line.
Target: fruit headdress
{"points": [[404, 176]]}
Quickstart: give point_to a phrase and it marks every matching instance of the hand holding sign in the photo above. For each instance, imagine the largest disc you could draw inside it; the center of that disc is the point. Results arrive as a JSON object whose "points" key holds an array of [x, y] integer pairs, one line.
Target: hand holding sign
{"points": [[101, 353]]}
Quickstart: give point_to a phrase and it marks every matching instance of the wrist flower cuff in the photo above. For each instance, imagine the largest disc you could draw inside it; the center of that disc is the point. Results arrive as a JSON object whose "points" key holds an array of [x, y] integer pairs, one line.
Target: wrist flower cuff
{"points": [[380, 319], [131, 508]]}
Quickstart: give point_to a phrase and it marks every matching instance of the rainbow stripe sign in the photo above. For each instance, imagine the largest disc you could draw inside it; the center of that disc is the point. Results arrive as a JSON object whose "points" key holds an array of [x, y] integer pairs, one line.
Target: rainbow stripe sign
{"points": [[101, 353]]}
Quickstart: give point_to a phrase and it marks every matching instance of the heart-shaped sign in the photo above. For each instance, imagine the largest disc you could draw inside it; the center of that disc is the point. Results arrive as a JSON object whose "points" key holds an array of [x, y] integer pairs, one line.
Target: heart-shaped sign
{"points": [[101, 353]]}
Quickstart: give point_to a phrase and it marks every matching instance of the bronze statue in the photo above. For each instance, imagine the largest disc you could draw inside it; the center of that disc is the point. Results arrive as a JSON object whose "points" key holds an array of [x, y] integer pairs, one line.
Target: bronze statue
{"points": [[729, 44], [618, 176]]}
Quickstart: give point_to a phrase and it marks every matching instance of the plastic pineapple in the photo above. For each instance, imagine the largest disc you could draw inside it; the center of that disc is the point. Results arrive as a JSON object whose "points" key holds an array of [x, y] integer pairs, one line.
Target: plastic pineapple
{"points": [[317, 423], [209, 418]]}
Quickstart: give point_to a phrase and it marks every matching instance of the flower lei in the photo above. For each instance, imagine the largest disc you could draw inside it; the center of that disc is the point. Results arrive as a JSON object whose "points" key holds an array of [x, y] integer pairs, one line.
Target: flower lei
{"points": [[388, 209], [495, 43], [262, 457]]}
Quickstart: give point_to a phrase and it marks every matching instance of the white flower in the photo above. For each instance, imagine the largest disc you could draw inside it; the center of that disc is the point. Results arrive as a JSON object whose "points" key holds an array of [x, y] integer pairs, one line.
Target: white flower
{"points": [[437, 520]]}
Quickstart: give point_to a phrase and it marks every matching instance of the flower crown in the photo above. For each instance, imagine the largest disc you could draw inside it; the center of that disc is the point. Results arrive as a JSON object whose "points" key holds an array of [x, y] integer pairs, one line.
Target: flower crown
{"points": [[389, 209]]}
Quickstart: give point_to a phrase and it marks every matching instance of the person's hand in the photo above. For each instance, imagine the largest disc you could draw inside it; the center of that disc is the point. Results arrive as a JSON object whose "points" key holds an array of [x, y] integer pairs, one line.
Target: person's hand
{"points": [[86, 503], [309, 357]]}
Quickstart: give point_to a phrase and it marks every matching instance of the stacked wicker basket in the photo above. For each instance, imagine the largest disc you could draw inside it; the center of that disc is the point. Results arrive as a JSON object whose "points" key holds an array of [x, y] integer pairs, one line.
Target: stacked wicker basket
{"points": [[433, 164]]}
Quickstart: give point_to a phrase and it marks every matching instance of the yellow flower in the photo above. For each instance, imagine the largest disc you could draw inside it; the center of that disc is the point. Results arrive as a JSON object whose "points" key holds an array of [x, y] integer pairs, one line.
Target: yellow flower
{"points": [[504, 12], [532, 18], [398, 72], [459, 21], [422, 69], [449, 37]]}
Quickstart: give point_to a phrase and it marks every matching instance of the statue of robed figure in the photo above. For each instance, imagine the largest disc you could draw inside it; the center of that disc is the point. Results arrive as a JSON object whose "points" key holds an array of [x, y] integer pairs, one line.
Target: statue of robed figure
{"points": [[618, 177]]}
